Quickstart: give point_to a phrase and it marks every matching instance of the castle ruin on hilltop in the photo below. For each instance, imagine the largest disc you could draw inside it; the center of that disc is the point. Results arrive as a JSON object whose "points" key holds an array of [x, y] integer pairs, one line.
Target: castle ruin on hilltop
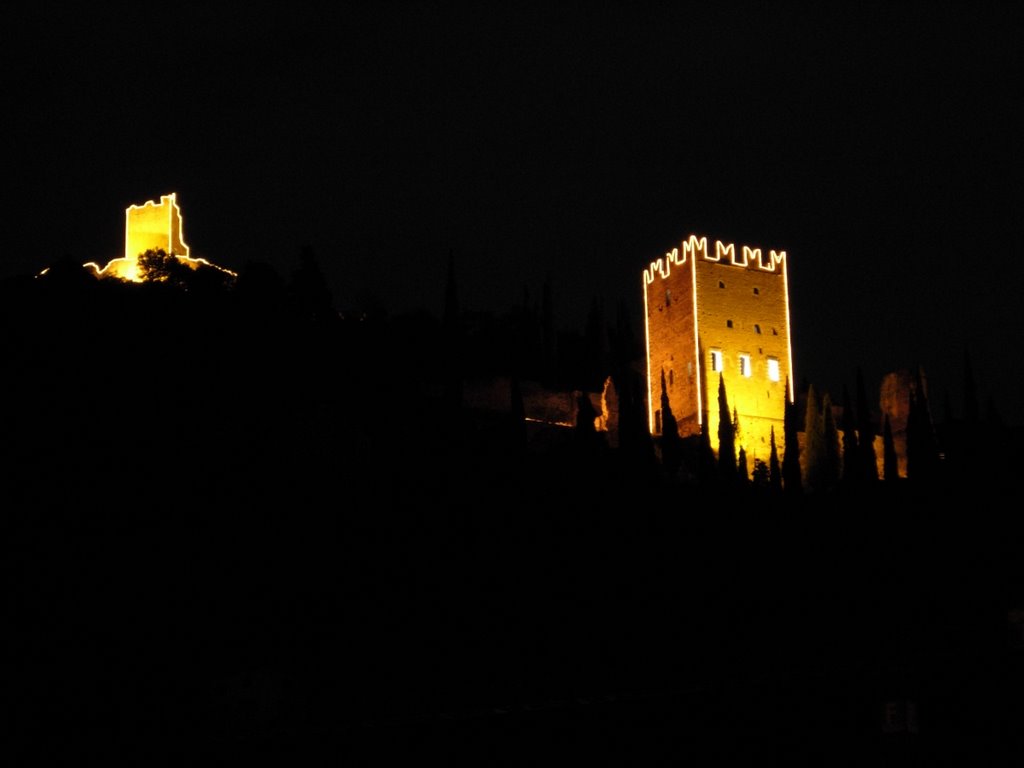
{"points": [[151, 226]]}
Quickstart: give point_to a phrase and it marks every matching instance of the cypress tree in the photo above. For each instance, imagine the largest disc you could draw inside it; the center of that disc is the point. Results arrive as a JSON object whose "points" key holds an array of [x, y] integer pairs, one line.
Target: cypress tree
{"points": [[922, 444], [890, 464], [585, 415], [726, 436], [865, 433], [671, 443], [792, 480], [707, 464], [814, 442], [761, 476], [852, 472], [636, 444], [623, 351], [737, 435], [832, 469], [742, 475], [310, 293], [774, 470], [590, 444]]}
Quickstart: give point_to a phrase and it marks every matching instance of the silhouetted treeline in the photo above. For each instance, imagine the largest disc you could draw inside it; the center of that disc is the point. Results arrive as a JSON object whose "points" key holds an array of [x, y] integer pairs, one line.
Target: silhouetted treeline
{"points": [[258, 387]]}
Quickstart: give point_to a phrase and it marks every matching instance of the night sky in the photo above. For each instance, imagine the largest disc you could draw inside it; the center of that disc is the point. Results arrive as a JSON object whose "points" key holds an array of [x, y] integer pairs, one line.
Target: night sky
{"points": [[878, 144]]}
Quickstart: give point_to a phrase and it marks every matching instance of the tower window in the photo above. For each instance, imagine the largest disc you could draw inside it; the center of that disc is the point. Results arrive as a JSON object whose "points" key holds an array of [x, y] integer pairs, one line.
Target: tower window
{"points": [[721, 284], [745, 364], [757, 328], [728, 323], [773, 368], [671, 379], [668, 297], [757, 291], [716, 360], [774, 332]]}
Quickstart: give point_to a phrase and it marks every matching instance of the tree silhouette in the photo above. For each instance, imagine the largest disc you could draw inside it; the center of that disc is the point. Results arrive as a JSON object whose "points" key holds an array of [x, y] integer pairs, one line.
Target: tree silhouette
{"points": [[159, 266], [792, 480], [707, 464], [774, 470], [922, 443], [625, 346], [726, 436], [585, 416], [832, 470], [671, 444], [742, 475], [865, 433], [635, 441], [852, 471], [761, 476], [814, 442], [308, 289], [890, 464], [67, 273], [737, 434], [260, 289]]}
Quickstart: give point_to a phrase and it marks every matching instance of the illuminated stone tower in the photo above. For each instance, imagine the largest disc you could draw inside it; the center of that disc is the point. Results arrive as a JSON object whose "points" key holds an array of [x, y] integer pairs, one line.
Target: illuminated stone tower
{"points": [[154, 226], [723, 311]]}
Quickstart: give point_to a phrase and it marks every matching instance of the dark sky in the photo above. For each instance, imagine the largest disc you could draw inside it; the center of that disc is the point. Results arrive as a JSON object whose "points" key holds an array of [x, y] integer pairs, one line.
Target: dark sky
{"points": [[878, 144]]}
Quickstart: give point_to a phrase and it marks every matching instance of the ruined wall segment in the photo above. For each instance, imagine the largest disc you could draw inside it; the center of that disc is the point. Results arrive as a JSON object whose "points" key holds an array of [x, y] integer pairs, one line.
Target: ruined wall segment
{"points": [[154, 226]]}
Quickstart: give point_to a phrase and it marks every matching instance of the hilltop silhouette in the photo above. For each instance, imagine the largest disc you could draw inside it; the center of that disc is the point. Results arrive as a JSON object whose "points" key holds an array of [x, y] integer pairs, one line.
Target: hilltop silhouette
{"points": [[241, 520]]}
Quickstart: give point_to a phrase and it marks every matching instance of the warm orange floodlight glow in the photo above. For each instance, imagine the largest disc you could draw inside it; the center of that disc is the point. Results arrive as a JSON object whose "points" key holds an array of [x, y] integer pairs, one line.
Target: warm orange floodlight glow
{"points": [[151, 226], [551, 422], [648, 278]]}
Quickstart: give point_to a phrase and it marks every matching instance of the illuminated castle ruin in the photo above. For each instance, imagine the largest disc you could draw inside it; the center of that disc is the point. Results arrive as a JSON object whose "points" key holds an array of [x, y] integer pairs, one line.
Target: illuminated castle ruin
{"points": [[722, 311], [149, 227]]}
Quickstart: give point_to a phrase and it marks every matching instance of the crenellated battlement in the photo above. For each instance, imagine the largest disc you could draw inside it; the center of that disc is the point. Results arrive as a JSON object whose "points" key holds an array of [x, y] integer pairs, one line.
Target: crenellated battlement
{"points": [[725, 253]]}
